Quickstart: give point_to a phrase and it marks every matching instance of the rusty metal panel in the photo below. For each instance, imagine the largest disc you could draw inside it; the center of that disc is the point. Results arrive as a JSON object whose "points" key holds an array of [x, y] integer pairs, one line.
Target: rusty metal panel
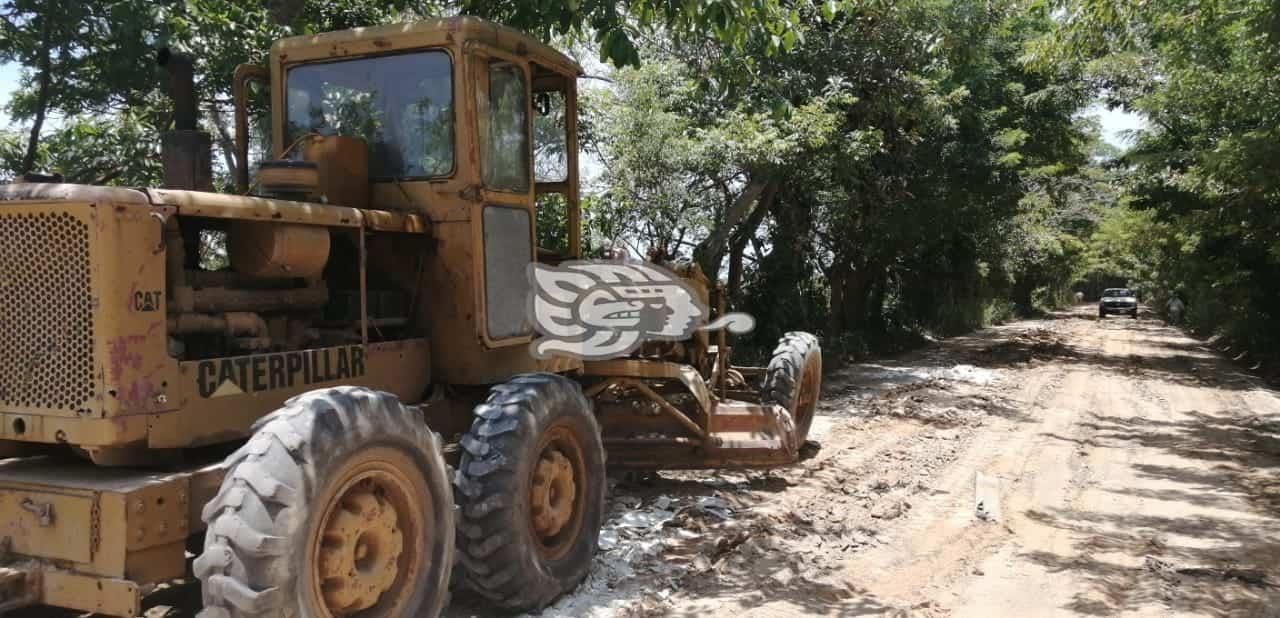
{"points": [[425, 33], [343, 164], [383, 221], [104, 522], [45, 192], [220, 398], [79, 431], [130, 303], [83, 323], [222, 206], [156, 513], [112, 597], [47, 524], [278, 250]]}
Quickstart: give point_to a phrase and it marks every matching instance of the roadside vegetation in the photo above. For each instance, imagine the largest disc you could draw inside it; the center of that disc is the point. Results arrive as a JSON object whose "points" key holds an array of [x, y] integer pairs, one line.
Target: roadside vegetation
{"points": [[876, 172]]}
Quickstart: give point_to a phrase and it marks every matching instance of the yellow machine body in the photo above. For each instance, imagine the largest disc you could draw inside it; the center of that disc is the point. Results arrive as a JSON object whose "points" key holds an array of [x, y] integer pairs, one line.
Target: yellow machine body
{"points": [[144, 331]]}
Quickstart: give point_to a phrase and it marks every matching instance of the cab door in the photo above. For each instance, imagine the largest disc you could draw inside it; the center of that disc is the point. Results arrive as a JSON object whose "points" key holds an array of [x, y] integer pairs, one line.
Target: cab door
{"points": [[505, 228], [555, 165]]}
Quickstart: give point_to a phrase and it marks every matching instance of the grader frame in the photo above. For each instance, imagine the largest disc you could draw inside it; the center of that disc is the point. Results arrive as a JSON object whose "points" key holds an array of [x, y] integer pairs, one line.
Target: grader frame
{"points": [[124, 352]]}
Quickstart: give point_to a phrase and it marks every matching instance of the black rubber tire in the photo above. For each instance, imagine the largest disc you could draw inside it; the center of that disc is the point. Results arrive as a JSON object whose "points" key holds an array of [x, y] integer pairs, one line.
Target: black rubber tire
{"points": [[795, 352], [260, 521], [497, 550], [1134, 315]]}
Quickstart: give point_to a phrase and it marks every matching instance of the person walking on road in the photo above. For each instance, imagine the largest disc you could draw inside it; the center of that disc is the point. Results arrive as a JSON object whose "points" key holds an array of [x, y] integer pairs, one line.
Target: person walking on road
{"points": [[1176, 309]]}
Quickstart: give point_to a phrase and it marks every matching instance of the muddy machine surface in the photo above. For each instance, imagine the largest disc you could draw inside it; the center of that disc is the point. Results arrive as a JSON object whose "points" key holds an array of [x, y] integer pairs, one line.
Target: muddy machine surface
{"points": [[321, 386]]}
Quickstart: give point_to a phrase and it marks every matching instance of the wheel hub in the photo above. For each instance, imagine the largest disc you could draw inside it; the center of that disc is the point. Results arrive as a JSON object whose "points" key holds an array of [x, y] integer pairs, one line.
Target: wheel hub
{"points": [[552, 493], [361, 546]]}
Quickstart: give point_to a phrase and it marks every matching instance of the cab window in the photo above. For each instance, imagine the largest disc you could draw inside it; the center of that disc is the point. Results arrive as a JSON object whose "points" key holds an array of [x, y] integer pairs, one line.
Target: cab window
{"points": [[504, 128], [401, 105], [550, 139]]}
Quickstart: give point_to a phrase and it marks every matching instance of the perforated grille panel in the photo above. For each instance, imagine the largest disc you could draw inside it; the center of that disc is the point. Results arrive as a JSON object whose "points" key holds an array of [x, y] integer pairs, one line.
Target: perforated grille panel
{"points": [[46, 321]]}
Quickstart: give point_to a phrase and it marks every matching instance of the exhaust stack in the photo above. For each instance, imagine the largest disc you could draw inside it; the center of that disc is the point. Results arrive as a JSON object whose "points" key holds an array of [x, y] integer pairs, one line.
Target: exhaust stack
{"points": [[184, 150]]}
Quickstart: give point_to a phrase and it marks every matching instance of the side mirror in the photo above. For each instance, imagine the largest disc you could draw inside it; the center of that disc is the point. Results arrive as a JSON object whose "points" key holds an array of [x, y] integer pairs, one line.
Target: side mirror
{"points": [[244, 74], [542, 103]]}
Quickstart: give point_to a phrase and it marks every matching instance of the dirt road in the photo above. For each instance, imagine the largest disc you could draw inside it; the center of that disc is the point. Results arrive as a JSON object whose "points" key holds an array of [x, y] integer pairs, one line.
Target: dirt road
{"points": [[1050, 467], [1065, 466]]}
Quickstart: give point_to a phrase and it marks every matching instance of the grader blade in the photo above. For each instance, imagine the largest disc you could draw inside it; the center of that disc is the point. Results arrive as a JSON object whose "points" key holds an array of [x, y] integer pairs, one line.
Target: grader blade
{"points": [[749, 434], [742, 435]]}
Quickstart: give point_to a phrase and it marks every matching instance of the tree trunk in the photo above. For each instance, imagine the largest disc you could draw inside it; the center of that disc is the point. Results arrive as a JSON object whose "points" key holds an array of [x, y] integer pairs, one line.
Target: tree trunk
{"points": [[875, 304], [850, 286], [855, 302], [837, 279], [710, 251], [225, 143], [43, 86], [744, 233]]}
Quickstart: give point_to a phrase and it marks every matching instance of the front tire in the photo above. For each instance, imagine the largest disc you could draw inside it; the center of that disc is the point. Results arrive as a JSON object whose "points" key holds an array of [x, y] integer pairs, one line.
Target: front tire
{"points": [[531, 485], [339, 503], [793, 379]]}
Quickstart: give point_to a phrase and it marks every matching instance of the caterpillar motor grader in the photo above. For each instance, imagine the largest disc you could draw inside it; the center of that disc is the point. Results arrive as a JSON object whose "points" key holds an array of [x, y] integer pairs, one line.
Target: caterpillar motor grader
{"points": [[252, 387]]}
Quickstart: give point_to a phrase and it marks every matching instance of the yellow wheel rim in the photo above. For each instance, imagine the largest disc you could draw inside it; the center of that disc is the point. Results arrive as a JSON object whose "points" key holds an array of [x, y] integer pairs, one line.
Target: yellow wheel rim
{"points": [[365, 547], [556, 487]]}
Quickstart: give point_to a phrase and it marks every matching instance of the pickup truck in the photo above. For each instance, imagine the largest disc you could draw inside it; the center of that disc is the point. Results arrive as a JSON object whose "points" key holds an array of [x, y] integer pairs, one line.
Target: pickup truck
{"points": [[1118, 300]]}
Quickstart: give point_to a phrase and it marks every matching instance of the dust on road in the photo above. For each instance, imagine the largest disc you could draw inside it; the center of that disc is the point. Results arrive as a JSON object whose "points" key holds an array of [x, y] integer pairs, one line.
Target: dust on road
{"points": [[1065, 466], [1048, 467]]}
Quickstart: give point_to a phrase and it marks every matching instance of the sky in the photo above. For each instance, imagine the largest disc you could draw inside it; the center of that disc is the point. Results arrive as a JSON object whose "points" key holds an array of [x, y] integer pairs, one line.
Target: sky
{"points": [[1115, 123], [8, 82]]}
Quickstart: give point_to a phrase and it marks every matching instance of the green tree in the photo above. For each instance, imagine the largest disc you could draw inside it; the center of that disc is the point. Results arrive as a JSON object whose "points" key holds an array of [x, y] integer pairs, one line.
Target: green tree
{"points": [[865, 182], [77, 58], [1202, 176]]}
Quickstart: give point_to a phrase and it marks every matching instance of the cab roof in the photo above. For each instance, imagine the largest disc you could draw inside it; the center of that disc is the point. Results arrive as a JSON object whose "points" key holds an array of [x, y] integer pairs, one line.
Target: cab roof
{"points": [[409, 35]]}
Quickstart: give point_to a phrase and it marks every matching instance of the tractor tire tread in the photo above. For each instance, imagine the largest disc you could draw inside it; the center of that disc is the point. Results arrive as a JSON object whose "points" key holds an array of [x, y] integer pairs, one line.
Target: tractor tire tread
{"points": [[246, 569], [494, 558], [784, 373]]}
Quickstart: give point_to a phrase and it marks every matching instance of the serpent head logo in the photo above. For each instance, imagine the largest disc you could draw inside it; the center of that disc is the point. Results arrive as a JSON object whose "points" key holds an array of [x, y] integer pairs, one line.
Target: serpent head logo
{"points": [[601, 310]]}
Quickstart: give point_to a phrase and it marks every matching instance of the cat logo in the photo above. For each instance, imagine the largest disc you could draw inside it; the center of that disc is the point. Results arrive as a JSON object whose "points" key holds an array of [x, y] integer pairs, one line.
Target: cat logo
{"points": [[147, 301]]}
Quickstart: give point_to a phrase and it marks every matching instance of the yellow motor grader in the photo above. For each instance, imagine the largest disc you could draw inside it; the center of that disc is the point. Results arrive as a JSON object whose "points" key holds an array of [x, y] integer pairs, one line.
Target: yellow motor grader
{"points": [[261, 379]]}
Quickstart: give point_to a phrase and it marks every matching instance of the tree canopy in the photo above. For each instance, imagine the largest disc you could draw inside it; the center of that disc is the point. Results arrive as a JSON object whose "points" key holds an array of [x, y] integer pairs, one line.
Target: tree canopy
{"points": [[870, 170]]}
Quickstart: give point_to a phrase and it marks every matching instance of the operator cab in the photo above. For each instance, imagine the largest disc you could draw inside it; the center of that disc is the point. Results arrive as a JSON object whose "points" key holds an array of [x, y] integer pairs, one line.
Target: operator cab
{"points": [[467, 129], [437, 103]]}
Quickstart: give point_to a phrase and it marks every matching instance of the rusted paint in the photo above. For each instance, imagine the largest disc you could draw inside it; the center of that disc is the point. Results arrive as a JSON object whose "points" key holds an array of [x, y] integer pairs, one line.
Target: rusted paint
{"points": [[121, 357]]}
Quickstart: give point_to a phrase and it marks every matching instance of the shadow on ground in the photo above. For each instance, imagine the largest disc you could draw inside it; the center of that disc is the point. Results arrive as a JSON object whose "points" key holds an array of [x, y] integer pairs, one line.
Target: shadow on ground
{"points": [[1202, 564]]}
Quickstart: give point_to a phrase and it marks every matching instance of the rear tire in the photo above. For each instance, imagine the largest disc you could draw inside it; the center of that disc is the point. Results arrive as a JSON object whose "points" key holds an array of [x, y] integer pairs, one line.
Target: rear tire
{"points": [[531, 485], [339, 503], [793, 380]]}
